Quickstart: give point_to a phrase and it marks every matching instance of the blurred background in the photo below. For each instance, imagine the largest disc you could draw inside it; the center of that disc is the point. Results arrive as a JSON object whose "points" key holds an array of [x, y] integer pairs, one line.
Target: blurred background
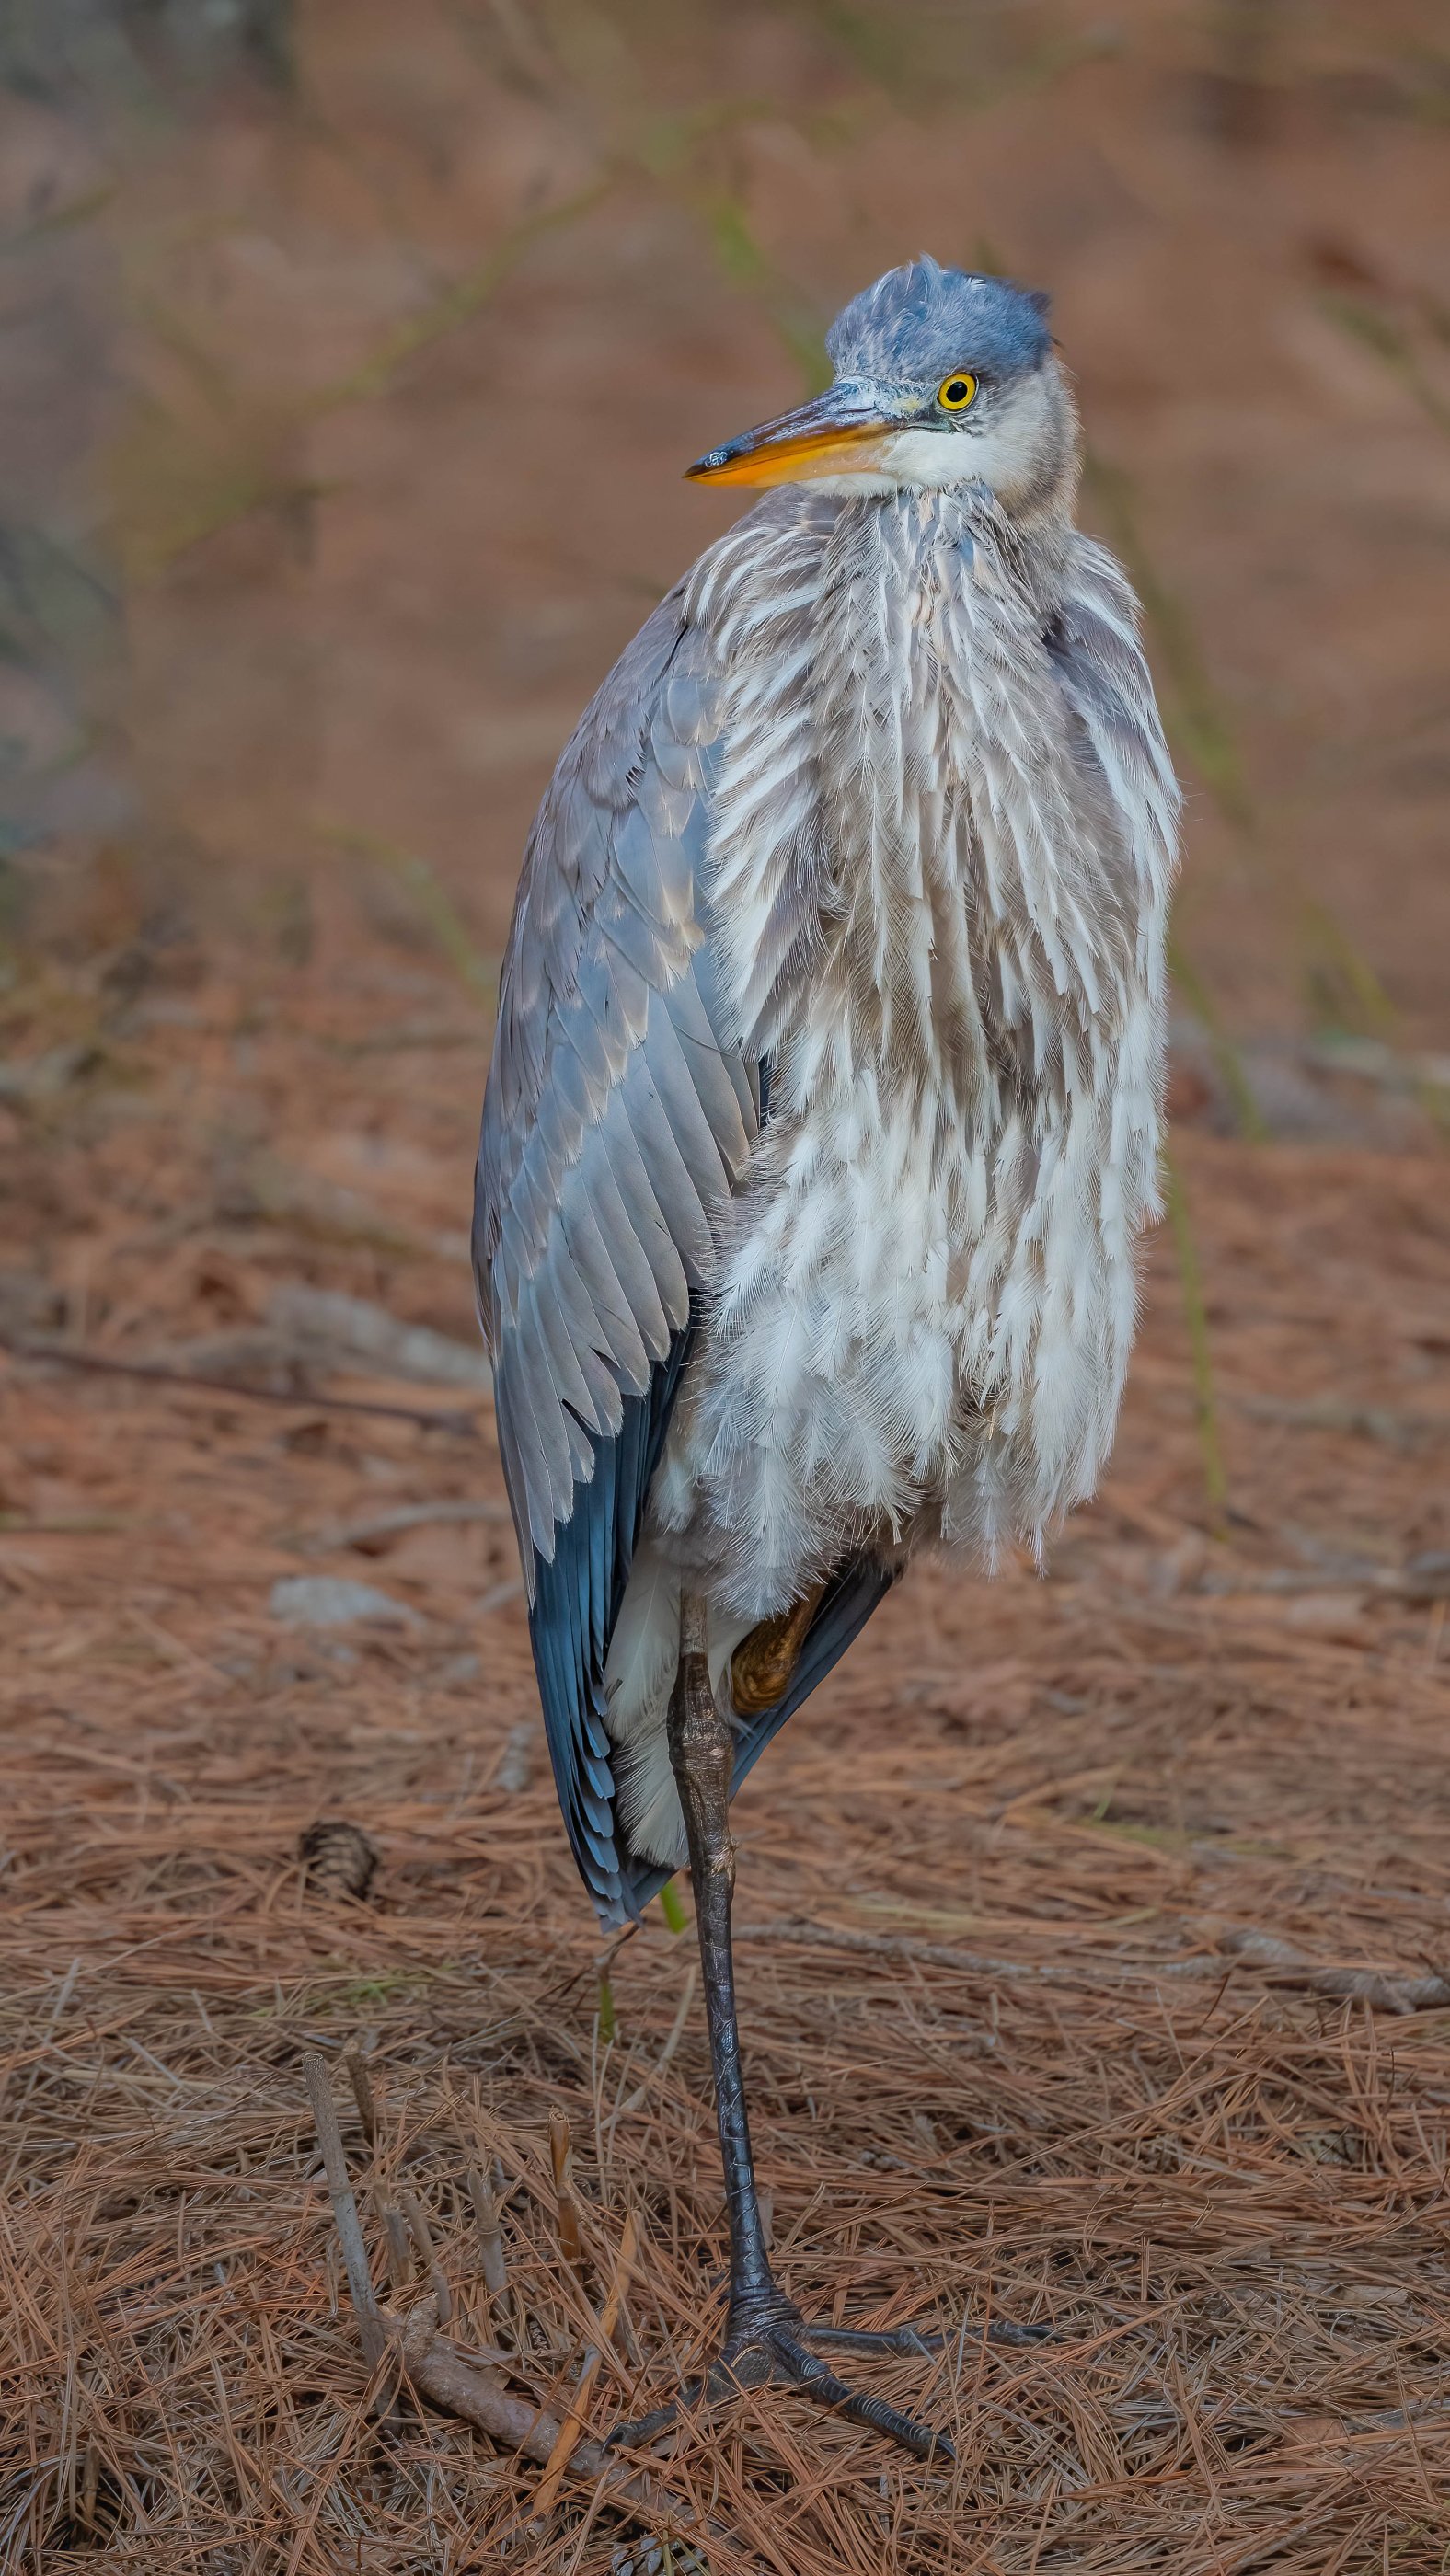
{"points": [[352, 357]]}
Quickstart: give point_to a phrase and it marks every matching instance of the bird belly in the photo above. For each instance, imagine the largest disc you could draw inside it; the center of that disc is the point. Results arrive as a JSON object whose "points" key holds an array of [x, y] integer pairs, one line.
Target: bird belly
{"points": [[828, 1401], [920, 1330]]}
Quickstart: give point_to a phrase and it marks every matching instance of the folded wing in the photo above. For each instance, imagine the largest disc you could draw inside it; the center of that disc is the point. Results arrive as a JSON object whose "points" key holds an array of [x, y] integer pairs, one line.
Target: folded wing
{"points": [[620, 1112]]}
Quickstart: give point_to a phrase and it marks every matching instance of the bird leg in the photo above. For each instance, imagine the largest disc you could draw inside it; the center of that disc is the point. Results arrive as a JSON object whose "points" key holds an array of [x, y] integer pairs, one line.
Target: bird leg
{"points": [[702, 1755], [763, 1663], [766, 2337]]}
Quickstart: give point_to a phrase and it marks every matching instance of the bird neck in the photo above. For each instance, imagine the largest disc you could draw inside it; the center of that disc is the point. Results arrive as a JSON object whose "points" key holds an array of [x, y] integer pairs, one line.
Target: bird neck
{"points": [[929, 686]]}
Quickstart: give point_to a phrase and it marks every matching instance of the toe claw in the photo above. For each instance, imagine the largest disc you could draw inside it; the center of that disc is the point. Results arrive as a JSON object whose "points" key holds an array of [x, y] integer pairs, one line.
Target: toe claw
{"points": [[643, 2429]]}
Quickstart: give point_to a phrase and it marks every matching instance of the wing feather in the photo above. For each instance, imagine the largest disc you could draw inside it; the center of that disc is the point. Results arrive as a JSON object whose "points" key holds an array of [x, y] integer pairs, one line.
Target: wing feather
{"points": [[618, 1114], [622, 1111]]}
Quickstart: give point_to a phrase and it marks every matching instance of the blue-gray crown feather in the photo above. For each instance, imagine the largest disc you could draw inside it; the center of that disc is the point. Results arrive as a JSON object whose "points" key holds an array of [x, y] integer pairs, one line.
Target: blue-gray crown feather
{"points": [[920, 321]]}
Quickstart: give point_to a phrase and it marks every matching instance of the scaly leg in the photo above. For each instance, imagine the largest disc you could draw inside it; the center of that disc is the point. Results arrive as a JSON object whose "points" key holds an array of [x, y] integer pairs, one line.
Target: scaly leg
{"points": [[765, 2335]]}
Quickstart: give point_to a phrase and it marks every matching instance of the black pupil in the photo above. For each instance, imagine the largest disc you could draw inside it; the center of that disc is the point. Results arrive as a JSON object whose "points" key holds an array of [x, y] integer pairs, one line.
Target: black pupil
{"points": [[957, 390]]}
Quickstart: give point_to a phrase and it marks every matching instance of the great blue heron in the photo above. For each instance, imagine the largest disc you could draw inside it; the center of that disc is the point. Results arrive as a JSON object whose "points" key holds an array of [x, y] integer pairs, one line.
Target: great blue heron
{"points": [[824, 1107]]}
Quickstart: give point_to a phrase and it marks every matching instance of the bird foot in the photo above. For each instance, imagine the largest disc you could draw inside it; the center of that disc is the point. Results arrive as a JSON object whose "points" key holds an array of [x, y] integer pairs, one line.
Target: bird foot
{"points": [[771, 2343]]}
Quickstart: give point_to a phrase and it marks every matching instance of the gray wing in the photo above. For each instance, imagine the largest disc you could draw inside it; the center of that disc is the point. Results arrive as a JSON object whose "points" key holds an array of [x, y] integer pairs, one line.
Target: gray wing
{"points": [[619, 1113]]}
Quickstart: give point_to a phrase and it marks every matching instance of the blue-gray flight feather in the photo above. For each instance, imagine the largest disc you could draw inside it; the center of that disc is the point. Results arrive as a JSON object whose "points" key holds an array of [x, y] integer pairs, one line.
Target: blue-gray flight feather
{"points": [[619, 1114]]}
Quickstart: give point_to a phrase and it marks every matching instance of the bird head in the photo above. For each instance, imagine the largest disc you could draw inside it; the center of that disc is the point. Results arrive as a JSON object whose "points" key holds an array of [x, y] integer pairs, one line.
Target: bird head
{"points": [[942, 377]]}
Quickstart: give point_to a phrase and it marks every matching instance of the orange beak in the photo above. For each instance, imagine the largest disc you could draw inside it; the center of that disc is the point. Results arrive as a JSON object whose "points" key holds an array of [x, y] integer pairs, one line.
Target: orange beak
{"points": [[841, 432]]}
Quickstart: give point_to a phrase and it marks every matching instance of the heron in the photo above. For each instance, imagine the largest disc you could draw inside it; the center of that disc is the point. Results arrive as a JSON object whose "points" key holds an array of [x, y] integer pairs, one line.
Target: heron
{"points": [[823, 1115]]}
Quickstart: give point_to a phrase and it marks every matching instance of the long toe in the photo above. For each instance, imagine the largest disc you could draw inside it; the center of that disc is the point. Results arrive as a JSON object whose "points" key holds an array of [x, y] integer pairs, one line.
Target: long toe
{"points": [[748, 2368], [803, 2370], [910, 2339], [646, 2428], [895, 2340]]}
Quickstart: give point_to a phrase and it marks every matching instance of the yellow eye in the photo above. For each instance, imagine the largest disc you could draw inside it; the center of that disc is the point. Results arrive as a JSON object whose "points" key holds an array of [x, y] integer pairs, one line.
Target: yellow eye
{"points": [[957, 392]]}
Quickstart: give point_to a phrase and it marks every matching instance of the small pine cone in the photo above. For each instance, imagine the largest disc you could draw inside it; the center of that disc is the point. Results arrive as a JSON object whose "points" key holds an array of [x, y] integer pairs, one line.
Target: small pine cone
{"points": [[339, 1859]]}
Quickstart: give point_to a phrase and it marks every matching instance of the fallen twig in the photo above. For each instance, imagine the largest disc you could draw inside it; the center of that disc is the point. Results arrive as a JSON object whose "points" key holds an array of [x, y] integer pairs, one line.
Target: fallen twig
{"points": [[344, 2208], [490, 2235], [1365, 1985], [459, 2383], [438, 2370], [400, 2261], [1290, 1967], [362, 2093], [406, 1516], [422, 2236], [937, 1954], [561, 2157], [100, 1364], [328, 1319], [1393, 1424]]}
